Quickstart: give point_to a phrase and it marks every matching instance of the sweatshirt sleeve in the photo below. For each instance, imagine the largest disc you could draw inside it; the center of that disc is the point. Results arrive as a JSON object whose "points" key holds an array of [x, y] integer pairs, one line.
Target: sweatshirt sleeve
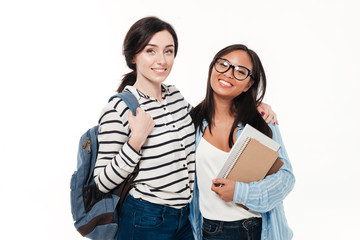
{"points": [[116, 158], [264, 195]]}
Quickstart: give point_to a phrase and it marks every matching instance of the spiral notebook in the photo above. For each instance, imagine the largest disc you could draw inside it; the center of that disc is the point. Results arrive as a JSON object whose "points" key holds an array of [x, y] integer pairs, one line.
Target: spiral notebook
{"points": [[253, 156]]}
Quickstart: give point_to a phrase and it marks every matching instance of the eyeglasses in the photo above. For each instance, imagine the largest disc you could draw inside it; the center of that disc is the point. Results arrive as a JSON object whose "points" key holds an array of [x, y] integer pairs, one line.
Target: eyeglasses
{"points": [[240, 72]]}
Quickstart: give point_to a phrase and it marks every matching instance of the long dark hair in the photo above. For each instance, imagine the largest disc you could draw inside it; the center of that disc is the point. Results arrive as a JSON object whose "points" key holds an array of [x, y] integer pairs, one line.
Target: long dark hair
{"points": [[136, 39], [244, 105]]}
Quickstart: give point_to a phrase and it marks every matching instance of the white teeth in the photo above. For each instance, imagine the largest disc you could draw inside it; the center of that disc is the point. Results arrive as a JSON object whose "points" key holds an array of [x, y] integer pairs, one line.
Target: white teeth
{"points": [[159, 70], [225, 83]]}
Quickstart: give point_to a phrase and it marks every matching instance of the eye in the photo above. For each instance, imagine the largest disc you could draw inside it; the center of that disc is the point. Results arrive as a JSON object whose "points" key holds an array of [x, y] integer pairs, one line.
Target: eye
{"points": [[241, 71], [224, 64], [169, 51], [150, 51]]}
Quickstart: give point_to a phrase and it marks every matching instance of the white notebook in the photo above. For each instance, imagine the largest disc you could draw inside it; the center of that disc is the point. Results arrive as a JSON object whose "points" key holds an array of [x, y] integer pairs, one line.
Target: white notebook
{"points": [[239, 146]]}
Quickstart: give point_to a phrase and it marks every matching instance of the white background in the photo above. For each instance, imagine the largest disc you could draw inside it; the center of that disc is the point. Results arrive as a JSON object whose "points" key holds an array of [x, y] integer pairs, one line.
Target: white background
{"points": [[61, 60]]}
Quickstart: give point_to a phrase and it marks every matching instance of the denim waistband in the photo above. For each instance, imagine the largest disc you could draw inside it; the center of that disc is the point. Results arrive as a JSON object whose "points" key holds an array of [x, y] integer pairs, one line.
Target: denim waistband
{"points": [[246, 223], [156, 208]]}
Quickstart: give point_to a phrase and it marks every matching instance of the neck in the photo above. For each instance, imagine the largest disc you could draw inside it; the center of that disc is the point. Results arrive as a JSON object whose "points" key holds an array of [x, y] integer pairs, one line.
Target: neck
{"points": [[149, 88], [223, 111]]}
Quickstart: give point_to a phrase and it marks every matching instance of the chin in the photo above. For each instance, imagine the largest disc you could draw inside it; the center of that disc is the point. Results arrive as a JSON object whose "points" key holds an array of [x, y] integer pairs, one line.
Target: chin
{"points": [[158, 80]]}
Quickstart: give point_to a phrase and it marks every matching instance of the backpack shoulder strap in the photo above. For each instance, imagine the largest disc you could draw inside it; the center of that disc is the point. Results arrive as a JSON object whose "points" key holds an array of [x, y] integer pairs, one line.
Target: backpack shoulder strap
{"points": [[91, 146], [130, 100]]}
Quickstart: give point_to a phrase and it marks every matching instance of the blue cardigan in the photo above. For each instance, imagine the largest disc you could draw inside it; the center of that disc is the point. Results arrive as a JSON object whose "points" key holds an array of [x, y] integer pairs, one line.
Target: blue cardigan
{"points": [[265, 196]]}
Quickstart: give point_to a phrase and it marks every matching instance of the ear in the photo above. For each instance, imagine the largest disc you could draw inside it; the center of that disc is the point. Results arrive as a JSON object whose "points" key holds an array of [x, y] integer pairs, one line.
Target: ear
{"points": [[250, 83], [133, 60]]}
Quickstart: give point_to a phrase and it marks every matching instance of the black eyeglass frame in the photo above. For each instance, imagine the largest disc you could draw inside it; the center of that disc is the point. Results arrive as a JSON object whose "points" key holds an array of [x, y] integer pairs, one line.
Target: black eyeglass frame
{"points": [[233, 69]]}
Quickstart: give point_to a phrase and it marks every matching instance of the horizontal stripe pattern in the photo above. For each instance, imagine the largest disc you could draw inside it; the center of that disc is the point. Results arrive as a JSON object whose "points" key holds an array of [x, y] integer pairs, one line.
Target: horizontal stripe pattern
{"points": [[167, 159]]}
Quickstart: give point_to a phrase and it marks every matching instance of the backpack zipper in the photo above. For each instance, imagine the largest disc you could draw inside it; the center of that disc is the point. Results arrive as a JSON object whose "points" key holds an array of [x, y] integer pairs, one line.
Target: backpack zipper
{"points": [[87, 143]]}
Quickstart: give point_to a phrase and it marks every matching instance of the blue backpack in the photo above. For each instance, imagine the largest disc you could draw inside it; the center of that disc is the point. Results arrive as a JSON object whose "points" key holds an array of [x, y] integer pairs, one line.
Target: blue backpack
{"points": [[96, 213]]}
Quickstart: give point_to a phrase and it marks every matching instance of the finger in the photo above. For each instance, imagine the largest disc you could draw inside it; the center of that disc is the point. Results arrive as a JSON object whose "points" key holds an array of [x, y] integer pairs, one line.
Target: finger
{"points": [[130, 114], [266, 117], [261, 110], [215, 181], [271, 117], [136, 111], [139, 111], [219, 181], [214, 188], [264, 111], [217, 188], [276, 121]]}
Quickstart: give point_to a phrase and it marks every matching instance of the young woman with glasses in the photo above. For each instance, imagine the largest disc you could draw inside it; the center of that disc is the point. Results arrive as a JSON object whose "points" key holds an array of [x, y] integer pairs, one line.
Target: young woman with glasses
{"points": [[160, 138], [236, 86]]}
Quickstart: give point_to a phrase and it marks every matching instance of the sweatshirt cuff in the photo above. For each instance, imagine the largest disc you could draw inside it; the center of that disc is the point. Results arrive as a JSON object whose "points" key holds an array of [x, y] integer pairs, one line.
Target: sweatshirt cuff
{"points": [[241, 193], [129, 157]]}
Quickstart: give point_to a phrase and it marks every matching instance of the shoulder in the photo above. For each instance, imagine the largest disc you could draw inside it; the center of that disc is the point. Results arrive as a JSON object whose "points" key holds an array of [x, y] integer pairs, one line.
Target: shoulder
{"points": [[175, 95], [116, 108], [171, 90], [200, 129], [275, 132]]}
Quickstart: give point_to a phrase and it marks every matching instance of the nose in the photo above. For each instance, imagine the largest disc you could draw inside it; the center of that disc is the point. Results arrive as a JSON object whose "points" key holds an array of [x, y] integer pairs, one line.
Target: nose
{"points": [[230, 72], [161, 60]]}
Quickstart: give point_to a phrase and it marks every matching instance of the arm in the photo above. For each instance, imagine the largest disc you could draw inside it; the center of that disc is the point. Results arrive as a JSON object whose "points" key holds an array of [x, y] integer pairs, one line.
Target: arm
{"points": [[118, 155], [264, 195]]}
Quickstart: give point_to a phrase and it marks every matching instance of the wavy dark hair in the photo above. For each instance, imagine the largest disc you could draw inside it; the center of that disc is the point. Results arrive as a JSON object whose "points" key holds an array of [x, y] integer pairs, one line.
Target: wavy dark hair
{"points": [[136, 39], [244, 105]]}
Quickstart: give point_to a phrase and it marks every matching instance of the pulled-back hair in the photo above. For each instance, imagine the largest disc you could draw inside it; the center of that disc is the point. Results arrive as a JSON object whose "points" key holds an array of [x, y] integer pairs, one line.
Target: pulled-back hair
{"points": [[136, 39], [244, 105]]}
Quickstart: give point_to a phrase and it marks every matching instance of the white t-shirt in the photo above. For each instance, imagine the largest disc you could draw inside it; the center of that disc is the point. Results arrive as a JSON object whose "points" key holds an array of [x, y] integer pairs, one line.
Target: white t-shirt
{"points": [[209, 161]]}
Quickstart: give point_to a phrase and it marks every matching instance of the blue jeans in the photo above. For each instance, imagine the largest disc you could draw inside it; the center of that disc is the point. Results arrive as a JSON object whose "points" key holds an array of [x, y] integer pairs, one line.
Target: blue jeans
{"points": [[148, 221], [247, 229]]}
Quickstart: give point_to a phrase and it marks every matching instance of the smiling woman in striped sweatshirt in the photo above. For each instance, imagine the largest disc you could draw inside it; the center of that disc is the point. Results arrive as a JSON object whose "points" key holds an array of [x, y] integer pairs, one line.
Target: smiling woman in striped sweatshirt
{"points": [[161, 139]]}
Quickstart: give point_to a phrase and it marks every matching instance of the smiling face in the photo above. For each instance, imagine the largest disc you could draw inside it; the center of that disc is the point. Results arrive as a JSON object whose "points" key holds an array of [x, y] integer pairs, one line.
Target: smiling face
{"points": [[154, 62], [224, 84]]}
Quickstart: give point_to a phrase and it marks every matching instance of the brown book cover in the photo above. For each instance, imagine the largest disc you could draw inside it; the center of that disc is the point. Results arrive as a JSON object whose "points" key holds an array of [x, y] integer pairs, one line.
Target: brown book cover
{"points": [[254, 163], [275, 167]]}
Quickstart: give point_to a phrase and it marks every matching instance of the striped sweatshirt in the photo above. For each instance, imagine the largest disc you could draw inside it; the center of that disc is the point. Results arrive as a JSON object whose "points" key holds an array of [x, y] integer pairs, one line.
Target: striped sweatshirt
{"points": [[166, 160]]}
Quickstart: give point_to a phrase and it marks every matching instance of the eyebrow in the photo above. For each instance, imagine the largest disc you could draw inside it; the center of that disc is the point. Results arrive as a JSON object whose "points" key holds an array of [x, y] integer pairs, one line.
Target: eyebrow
{"points": [[154, 45], [238, 65]]}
